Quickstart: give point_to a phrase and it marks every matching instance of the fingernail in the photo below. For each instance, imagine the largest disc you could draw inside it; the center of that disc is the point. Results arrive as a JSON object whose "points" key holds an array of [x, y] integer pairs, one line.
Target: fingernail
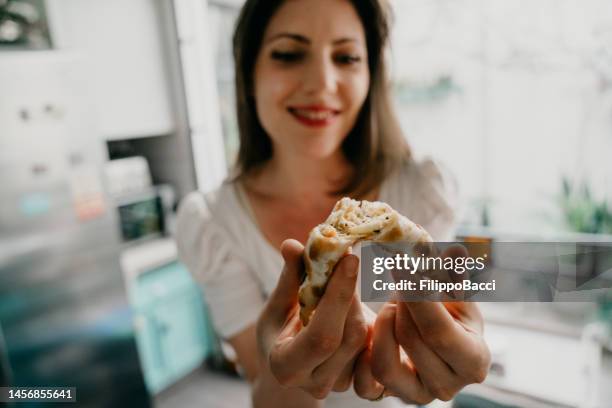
{"points": [[351, 266]]}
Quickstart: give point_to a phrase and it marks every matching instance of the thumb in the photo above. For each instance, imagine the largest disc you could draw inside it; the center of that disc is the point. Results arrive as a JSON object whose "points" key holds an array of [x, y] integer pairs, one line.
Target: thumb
{"points": [[284, 297]]}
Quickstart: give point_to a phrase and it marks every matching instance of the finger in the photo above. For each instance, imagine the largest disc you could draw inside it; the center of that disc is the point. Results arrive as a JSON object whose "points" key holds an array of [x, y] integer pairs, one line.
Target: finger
{"points": [[324, 333], [342, 384], [276, 318], [398, 377], [364, 383], [345, 379], [467, 314], [465, 351], [433, 320], [282, 303], [321, 338], [335, 303], [284, 297], [270, 338], [337, 370], [456, 251], [439, 378]]}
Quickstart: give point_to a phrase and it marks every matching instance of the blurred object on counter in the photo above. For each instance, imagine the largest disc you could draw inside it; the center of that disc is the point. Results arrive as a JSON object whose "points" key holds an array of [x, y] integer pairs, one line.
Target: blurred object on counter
{"points": [[127, 176], [582, 211], [605, 316], [146, 214], [23, 24], [466, 400], [426, 91], [478, 246], [144, 210]]}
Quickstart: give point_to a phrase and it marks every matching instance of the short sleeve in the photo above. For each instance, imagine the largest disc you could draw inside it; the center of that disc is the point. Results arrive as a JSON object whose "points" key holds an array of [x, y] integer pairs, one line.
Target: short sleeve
{"points": [[426, 192], [231, 290], [440, 192]]}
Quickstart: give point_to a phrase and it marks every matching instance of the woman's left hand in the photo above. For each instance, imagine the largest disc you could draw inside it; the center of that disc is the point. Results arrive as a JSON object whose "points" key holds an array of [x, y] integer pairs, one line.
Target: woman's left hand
{"points": [[444, 351]]}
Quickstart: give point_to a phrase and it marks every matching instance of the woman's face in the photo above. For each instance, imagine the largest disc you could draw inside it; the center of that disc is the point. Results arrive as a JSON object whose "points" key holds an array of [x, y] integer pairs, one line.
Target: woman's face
{"points": [[311, 76]]}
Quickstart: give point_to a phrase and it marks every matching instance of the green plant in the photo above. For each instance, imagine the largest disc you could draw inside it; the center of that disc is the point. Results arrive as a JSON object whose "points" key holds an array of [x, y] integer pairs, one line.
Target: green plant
{"points": [[582, 212]]}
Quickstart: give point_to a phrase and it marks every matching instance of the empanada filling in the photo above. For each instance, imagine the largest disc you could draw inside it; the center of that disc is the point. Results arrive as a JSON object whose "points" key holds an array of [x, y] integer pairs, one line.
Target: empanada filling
{"points": [[358, 219]]}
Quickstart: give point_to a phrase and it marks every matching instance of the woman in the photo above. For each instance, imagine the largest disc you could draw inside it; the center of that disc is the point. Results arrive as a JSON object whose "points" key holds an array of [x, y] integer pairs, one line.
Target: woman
{"points": [[316, 124]]}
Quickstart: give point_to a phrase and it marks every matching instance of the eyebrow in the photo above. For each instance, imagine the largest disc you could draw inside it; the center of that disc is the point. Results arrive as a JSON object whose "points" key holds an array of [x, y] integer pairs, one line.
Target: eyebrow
{"points": [[305, 40]]}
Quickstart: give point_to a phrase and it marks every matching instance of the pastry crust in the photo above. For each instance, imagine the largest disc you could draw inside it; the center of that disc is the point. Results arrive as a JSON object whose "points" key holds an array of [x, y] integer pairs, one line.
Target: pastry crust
{"points": [[350, 221]]}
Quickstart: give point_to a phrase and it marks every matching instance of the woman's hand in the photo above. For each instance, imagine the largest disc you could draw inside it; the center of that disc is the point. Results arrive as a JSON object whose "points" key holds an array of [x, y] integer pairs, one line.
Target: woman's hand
{"points": [[421, 351], [320, 357]]}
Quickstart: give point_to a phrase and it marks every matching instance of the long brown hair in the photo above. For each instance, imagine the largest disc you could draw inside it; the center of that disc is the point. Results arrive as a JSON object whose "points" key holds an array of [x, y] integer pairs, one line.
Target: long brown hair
{"points": [[375, 146]]}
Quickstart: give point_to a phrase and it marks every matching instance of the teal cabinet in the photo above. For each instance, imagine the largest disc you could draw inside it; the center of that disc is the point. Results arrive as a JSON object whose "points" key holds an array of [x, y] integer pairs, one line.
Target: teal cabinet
{"points": [[182, 337], [151, 357], [173, 332]]}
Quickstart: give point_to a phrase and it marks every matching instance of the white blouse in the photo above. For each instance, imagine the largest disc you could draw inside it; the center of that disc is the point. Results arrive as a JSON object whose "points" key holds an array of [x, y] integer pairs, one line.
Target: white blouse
{"points": [[237, 268]]}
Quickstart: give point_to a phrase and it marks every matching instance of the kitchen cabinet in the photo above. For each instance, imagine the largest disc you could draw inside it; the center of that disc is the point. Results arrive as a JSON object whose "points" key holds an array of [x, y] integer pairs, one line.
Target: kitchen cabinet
{"points": [[173, 333], [125, 48]]}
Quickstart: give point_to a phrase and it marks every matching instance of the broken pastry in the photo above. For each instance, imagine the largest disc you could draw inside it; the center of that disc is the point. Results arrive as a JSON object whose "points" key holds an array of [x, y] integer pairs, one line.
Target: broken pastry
{"points": [[350, 221]]}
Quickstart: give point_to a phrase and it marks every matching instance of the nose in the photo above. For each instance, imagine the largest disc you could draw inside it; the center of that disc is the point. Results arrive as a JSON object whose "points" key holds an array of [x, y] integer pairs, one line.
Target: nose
{"points": [[320, 76]]}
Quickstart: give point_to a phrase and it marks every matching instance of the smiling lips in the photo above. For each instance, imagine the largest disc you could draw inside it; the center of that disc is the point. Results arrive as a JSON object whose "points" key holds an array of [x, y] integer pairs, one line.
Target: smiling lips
{"points": [[314, 116]]}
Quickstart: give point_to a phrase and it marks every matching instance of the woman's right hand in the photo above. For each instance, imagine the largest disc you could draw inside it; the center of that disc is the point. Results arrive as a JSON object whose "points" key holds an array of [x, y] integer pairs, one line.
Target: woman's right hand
{"points": [[320, 357]]}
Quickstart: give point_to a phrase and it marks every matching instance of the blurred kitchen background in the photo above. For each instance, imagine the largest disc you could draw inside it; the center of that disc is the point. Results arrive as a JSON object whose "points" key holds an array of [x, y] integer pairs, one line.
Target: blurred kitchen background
{"points": [[111, 111]]}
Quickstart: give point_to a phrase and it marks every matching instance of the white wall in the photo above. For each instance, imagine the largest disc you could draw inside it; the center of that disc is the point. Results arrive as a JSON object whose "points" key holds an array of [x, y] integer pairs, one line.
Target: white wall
{"points": [[123, 45], [534, 98]]}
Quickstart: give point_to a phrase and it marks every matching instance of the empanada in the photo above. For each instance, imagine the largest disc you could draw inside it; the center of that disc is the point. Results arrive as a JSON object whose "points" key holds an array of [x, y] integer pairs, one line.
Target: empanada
{"points": [[351, 221]]}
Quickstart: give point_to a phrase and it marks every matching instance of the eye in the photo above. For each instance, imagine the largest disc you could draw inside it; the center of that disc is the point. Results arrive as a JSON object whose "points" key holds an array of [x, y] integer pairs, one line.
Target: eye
{"points": [[287, 56], [347, 59]]}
